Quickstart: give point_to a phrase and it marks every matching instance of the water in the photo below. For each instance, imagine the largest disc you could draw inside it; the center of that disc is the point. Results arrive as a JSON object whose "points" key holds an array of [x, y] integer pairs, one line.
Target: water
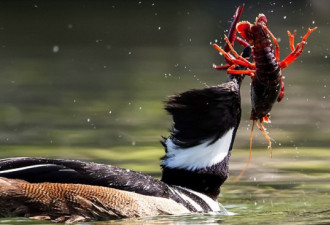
{"points": [[290, 188], [86, 80]]}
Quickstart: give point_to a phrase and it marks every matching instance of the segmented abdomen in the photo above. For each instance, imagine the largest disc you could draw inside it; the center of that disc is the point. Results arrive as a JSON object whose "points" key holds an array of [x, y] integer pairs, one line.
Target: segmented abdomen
{"points": [[264, 57], [267, 81]]}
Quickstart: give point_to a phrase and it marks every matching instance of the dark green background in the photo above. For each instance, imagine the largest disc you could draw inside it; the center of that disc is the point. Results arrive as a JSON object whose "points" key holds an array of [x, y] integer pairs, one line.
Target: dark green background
{"points": [[127, 56]]}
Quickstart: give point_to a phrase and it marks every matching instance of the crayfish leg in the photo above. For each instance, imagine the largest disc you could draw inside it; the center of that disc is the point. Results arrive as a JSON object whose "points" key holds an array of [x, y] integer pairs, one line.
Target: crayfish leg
{"points": [[221, 67], [296, 52], [242, 42], [291, 38], [231, 48], [231, 70], [277, 47], [281, 95], [232, 60], [309, 31], [250, 154]]}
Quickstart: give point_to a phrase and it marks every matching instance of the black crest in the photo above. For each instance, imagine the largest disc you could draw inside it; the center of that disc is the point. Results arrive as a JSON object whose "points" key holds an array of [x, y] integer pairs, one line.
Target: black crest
{"points": [[204, 114]]}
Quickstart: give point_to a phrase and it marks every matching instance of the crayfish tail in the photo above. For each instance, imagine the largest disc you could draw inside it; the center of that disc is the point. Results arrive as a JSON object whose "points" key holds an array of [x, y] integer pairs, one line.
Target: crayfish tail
{"points": [[250, 154], [266, 119]]}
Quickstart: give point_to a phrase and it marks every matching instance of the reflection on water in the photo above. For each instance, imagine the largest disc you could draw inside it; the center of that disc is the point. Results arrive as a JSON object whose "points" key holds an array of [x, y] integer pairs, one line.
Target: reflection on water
{"points": [[86, 80]]}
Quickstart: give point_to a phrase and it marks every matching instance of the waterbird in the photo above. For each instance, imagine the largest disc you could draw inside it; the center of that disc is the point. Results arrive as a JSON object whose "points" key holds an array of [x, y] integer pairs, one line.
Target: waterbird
{"points": [[194, 167]]}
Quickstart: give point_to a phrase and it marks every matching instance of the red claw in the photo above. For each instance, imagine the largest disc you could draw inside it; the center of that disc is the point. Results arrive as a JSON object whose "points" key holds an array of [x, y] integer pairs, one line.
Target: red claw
{"points": [[244, 29], [232, 31]]}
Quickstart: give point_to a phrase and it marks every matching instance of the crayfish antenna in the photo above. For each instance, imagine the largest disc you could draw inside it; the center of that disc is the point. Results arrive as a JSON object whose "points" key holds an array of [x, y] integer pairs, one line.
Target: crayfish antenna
{"points": [[263, 130], [250, 154]]}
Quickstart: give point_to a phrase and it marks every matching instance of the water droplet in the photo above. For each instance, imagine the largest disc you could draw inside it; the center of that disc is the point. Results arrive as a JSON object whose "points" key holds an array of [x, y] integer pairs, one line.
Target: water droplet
{"points": [[56, 48]]}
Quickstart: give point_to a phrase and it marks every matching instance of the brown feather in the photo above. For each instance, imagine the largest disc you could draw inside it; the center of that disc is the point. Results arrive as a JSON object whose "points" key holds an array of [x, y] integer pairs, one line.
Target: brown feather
{"points": [[77, 202]]}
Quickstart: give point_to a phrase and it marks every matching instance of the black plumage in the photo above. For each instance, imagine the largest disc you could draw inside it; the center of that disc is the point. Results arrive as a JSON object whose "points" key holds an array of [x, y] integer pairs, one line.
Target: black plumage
{"points": [[36, 170], [204, 114]]}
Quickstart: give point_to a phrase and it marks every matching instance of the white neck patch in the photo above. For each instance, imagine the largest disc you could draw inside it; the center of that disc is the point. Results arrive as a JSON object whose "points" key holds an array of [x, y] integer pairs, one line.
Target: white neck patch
{"points": [[199, 156]]}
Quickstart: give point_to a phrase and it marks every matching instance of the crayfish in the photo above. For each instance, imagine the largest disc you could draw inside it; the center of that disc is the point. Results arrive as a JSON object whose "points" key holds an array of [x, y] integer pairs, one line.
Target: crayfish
{"points": [[267, 84]]}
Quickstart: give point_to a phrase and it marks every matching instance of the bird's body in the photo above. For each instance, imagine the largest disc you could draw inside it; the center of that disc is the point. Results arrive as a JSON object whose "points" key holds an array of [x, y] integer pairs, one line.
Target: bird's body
{"points": [[72, 190]]}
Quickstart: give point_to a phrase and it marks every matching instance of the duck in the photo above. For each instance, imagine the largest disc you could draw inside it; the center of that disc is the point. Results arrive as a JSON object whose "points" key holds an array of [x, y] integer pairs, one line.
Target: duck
{"points": [[194, 167]]}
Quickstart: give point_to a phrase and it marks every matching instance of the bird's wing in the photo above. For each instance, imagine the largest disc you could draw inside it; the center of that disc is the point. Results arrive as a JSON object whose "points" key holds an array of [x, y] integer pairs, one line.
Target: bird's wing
{"points": [[37, 170]]}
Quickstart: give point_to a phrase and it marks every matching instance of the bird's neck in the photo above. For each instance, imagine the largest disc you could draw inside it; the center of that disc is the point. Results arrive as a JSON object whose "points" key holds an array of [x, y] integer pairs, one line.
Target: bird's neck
{"points": [[202, 168]]}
